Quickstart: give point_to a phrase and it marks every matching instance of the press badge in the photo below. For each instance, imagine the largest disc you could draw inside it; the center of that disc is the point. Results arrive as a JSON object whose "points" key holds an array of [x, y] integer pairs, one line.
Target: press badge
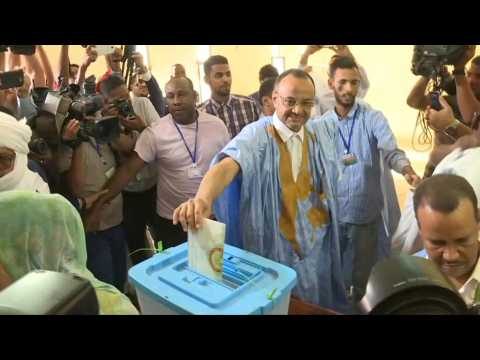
{"points": [[194, 172], [349, 159], [110, 173]]}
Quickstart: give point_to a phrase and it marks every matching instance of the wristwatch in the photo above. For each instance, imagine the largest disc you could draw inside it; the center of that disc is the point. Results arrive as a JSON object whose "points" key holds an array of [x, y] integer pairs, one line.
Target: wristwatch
{"points": [[451, 130], [459, 72]]}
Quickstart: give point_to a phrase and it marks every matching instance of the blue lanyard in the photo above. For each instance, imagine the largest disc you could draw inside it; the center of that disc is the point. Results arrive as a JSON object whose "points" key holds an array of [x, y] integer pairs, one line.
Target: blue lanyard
{"points": [[348, 145], [96, 147], [194, 155]]}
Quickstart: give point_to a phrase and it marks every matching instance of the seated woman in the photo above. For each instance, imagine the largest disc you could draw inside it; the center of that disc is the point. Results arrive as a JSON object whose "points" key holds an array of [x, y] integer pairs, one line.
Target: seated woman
{"points": [[43, 231]]}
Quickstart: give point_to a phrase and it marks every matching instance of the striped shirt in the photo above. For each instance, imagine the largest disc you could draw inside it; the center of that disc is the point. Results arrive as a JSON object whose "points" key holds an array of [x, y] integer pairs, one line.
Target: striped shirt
{"points": [[237, 112]]}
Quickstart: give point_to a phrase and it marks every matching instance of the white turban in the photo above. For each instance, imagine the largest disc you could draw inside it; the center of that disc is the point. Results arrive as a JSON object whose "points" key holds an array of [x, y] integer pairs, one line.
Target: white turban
{"points": [[16, 135]]}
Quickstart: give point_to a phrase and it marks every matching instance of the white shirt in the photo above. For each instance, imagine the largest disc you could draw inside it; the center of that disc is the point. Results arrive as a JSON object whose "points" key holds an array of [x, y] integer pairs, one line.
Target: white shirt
{"points": [[469, 288], [294, 141], [162, 146], [406, 238], [324, 97], [147, 177]]}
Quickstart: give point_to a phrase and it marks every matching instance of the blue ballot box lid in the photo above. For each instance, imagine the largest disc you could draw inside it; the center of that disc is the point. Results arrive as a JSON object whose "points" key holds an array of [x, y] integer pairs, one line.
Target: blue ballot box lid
{"points": [[251, 284]]}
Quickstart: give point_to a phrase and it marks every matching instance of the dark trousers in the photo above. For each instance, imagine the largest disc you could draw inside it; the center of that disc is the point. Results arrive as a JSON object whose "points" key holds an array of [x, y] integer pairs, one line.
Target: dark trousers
{"points": [[170, 235], [359, 245], [107, 256], [138, 211]]}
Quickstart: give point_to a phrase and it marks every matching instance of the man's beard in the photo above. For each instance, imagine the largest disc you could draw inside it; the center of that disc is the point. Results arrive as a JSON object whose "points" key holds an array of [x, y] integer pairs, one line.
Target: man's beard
{"points": [[223, 92], [341, 101]]}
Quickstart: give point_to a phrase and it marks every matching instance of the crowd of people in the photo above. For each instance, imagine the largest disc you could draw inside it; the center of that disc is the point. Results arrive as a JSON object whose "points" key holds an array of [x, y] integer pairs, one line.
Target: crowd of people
{"points": [[299, 171]]}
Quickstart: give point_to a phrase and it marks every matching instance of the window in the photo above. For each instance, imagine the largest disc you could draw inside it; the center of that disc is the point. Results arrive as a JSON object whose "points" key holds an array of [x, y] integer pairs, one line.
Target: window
{"points": [[203, 53], [278, 61]]}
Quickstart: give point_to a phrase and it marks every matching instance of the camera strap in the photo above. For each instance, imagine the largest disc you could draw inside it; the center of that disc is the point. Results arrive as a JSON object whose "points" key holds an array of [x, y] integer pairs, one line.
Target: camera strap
{"points": [[97, 149]]}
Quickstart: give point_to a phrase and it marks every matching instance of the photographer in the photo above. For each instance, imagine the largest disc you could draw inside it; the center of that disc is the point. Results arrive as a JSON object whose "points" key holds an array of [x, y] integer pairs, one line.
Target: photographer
{"points": [[467, 92], [182, 146], [139, 196], [87, 166], [324, 98]]}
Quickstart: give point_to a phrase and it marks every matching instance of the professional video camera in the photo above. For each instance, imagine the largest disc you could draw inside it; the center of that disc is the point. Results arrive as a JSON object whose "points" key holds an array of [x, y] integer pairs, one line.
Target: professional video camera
{"points": [[431, 60], [124, 107], [410, 285], [19, 49], [69, 105], [43, 292], [38, 146]]}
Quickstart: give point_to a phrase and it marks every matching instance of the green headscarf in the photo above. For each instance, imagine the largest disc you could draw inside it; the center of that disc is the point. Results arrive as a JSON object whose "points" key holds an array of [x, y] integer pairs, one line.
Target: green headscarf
{"points": [[44, 231]]}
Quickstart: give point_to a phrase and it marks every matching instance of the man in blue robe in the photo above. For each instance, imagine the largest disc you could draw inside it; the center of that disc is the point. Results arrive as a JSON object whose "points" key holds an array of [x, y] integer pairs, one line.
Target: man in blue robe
{"points": [[272, 185], [366, 150]]}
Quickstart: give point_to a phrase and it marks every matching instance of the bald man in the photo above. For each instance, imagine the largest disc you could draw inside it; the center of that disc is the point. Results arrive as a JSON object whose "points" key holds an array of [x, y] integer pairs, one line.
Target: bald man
{"points": [[182, 145], [272, 185]]}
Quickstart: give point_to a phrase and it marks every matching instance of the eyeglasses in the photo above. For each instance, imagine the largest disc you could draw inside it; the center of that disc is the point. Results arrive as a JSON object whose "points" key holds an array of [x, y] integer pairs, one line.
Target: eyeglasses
{"points": [[291, 102]]}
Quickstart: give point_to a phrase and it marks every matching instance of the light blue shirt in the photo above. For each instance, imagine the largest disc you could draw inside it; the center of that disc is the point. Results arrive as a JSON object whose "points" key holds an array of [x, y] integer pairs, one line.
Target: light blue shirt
{"points": [[359, 193]]}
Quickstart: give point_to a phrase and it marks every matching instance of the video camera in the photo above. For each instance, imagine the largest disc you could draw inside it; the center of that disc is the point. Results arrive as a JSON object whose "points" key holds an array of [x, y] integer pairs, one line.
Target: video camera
{"points": [[431, 61], [43, 292], [68, 105], [410, 285], [19, 49], [124, 108]]}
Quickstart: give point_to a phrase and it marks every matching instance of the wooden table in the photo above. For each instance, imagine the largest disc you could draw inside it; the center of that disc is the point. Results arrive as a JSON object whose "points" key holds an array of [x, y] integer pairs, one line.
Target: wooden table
{"points": [[298, 307]]}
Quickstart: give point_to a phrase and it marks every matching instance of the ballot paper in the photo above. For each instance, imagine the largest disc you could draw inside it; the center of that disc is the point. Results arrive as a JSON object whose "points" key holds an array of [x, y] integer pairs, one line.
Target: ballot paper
{"points": [[205, 249]]}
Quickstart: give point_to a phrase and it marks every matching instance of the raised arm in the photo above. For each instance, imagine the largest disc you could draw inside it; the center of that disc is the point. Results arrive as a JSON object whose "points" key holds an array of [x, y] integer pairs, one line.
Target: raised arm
{"points": [[63, 71], [13, 61], [418, 99], [444, 121], [38, 76], [90, 57], [309, 51], [156, 96], [467, 102], [192, 212], [47, 67]]}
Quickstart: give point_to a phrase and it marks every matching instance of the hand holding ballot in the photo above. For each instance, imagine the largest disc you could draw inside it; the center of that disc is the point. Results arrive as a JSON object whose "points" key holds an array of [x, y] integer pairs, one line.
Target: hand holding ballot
{"points": [[205, 249]]}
